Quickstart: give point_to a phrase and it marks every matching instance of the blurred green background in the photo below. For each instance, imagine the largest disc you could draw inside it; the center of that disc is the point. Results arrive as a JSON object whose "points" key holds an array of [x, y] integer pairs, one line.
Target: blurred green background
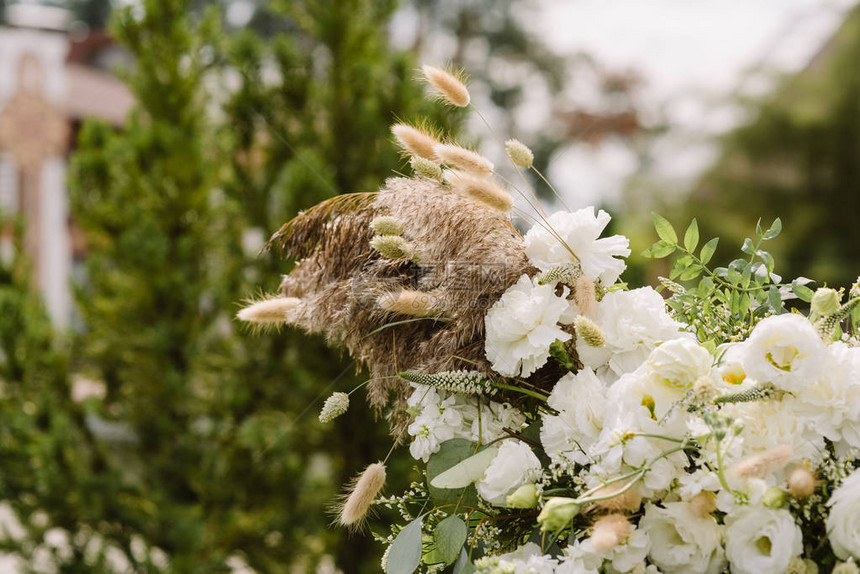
{"points": [[154, 434]]}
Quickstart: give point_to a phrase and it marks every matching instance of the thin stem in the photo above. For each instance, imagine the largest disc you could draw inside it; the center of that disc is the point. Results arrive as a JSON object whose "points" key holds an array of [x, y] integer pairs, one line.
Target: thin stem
{"points": [[520, 390], [551, 187]]}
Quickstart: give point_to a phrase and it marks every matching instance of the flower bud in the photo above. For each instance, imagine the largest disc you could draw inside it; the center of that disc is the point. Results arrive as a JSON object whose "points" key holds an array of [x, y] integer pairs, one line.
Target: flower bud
{"points": [[774, 497], [557, 513], [525, 496], [825, 301], [801, 482]]}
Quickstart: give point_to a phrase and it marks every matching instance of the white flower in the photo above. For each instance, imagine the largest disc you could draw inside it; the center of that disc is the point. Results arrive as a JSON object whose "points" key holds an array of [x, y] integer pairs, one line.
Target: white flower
{"points": [[762, 540], [830, 403], [527, 559], [522, 325], [513, 466], [785, 350], [580, 400], [634, 323], [683, 541], [628, 556], [438, 422], [843, 523], [580, 230], [492, 421]]}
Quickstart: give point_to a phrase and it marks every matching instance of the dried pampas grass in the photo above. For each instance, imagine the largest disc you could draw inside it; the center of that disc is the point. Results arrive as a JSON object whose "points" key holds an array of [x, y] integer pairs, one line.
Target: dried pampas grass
{"points": [[480, 189]]}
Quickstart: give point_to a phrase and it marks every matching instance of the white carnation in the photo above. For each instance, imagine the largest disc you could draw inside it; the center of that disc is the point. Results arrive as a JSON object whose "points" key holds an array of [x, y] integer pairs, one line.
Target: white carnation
{"points": [[784, 350], [522, 325], [682, 540], [762, 540], [843, 523], [527, 559], [580, 230], [634, 323], [513, 466], [580, 400]]}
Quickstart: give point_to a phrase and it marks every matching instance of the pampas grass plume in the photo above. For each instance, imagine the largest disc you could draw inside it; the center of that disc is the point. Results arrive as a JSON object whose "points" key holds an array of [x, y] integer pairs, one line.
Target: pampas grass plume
{"points": [[361, 494], [449, 87], [276, 311], [480, 189], [464, 159], [416, 141], [610, 531]]}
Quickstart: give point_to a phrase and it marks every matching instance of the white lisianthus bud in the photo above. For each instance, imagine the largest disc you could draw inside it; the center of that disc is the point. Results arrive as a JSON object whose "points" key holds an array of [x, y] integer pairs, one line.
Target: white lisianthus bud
{"points": [[557, 513], [774, 497], [448, 86], [334, 406], [525, 496], [825, 301], [588, 331], [425, 168], [801, 482], [520, 153]]}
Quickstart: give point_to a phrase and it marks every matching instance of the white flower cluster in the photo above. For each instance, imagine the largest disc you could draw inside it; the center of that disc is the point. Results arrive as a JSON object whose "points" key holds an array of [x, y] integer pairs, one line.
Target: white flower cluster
{"points": [[697, 459]]}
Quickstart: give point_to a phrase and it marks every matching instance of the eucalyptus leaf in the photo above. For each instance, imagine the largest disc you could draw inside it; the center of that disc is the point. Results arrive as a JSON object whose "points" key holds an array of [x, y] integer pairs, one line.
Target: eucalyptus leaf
{"points": [[463, 564], [405, 554], [449, 537]]}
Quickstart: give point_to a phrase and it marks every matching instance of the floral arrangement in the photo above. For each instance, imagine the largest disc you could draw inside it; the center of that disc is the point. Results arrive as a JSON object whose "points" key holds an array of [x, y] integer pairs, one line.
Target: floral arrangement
{"points": [[562, 421]]}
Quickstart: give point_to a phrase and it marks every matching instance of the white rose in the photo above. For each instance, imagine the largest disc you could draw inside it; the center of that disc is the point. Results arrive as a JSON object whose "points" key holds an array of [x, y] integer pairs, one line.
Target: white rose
{"points": [[785, 350], [513, 466], [522, 325], [762, 540], [843, 523], [580, 231], [682, 540]]}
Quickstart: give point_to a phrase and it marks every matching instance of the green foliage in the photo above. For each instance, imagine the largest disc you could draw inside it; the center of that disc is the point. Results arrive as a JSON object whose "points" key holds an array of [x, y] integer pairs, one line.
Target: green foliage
{"points": [[725, 303], [405, 553]]}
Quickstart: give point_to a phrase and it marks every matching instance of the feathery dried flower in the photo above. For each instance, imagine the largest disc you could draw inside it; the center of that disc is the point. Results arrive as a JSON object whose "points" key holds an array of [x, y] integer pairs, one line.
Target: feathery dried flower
{"points": [[334, 406], [610, 531], [520, 153], [585, 295], [361, 494], [409, 302], [392, 247], [764, 463], [448, 86], [462, 382], [567, 274], [481, 189], [275, 311], [464, 159], [801, 482], [386, 225], [415, 141], [588, 331], [424, 167], [629, 500], [704, 503]]}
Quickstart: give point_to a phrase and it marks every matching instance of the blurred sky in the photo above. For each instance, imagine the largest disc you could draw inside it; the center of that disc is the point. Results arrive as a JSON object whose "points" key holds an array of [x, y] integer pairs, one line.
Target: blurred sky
{"points": [[694, 57]]}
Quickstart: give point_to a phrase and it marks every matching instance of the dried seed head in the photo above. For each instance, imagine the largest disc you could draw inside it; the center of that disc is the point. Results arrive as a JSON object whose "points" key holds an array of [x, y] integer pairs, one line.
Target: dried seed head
{"points": [[480, 189], [447, 85], [415, 141], [425, 168], [464, 159], [801, 482], [275, 312], [408, 302], [566, 273], [629, 500], [461, 382], [610, 531], [520, 153], [334, 406], [386, 225], [585, 295], [361, 494], [762, 464], [703, 503], [392, 247], [588, 331]]}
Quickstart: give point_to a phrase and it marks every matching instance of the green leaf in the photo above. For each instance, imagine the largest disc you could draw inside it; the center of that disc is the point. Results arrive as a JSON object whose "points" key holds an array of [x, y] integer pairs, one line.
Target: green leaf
{"points": [[767, 258], [691, 237], [803, 292], [691, 272], [748, 246], [449, 537], [708, 250], [659, 250], [466, 471], [450, 453], [463, 564], [664, 229], [405, 553], [774, 230], [774, 298]]}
